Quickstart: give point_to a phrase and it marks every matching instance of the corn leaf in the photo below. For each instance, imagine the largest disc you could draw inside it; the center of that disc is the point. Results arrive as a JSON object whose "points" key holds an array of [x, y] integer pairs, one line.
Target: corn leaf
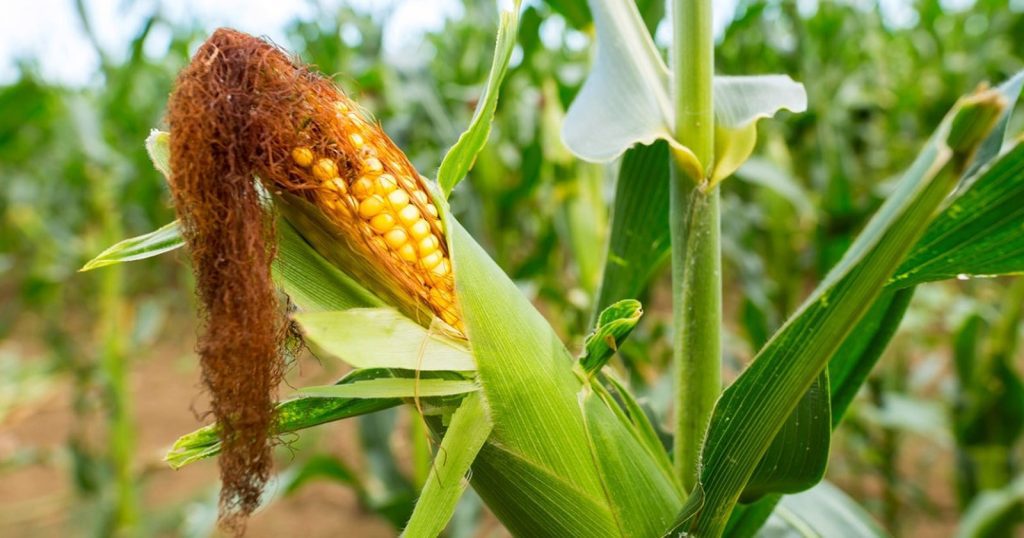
{"points": [[798, 455], [538, 471], [979, 233], [850, 366], [469, 428], [739, 102], [752, 411], [395, 387], [383, 338], [645, 514], [639, 240], [292, 415], [311, 282], [613, 327], [462, 155], [824, 511], [164, 239], [625, 99]]}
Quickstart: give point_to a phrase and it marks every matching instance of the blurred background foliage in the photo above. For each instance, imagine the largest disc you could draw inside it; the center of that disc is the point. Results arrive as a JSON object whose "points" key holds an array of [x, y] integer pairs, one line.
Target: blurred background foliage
{"points": [[98, 374]]}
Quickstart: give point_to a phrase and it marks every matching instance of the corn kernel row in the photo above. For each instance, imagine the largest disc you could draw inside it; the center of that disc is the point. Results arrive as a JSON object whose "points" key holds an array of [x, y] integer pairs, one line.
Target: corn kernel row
{"points": [[395, 214]]}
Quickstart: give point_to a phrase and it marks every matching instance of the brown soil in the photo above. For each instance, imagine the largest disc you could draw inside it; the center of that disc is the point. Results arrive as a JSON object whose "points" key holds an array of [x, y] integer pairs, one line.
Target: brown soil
{"points": [[38, 499]]}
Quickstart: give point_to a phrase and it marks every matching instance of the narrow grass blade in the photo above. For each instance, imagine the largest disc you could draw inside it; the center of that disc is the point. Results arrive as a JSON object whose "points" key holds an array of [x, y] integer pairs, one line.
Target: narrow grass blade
{"points": [[639, 240], [383, 338], [462, 155], [165, 239], [392, 388], [292, 415], [979, 233], [469, 428]]}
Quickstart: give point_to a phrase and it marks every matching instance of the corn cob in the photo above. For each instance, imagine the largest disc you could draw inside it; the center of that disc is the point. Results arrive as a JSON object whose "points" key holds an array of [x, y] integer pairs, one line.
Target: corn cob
{"points": [[378, 191]]}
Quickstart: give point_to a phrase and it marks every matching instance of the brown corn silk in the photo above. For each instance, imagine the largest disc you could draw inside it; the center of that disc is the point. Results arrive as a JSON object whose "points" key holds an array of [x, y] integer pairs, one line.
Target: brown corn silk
{"points": [[242, 110]]}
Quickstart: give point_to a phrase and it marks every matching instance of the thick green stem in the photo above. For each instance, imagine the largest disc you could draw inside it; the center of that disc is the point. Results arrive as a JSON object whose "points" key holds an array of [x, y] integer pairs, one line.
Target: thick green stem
{"points": [[695, 231]]}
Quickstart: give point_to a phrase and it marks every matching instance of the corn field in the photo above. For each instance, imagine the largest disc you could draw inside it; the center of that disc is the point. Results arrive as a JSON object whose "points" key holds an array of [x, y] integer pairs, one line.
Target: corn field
{"points": [[555, 268]]}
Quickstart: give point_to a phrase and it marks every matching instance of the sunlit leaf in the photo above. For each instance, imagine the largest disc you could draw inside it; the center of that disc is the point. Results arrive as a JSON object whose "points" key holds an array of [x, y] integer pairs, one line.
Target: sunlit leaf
{"points": [[625, 99], [462, 155], [469, 428], [394, 387], [164, 239], [824, 511], [383, 338], [739, 102]]}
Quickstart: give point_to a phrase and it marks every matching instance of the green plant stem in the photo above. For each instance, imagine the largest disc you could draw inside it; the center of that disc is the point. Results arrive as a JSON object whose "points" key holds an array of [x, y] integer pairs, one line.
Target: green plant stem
{"points": [[695, 232]]}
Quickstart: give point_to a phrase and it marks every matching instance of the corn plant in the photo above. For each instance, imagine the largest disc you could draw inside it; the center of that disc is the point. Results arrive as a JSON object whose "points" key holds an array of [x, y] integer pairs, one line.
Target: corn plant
{"points": [[281, 183]]}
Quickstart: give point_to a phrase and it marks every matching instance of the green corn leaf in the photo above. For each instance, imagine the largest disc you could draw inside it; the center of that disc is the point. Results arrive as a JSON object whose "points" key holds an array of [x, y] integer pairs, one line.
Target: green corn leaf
{"points": [[752, 411], [383, 338], [613, 327], [164, 239], [798, 455], [311, 282], [537, 470], [651, 509], [824, 511], [292, 415], [462, 155], [395, 387], [639, 240], [850, 366], [979, 233], [469, 428]]}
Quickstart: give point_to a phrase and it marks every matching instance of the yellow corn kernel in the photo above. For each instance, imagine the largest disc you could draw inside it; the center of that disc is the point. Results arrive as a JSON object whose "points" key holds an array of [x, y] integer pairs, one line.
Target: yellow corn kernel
{"points": [[409, 215], [407, 252], [382, 222], [373, 164], [442, 269], [302, 156], [371, 206], [325, 170], [428, 245], [337, 185], [356, 139], [410, 183], [396, 238], [419, 229], [420, 196], [398, 200], [363, 187], [386, 184], [431, 260], [431, 210], [440, 297]]}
